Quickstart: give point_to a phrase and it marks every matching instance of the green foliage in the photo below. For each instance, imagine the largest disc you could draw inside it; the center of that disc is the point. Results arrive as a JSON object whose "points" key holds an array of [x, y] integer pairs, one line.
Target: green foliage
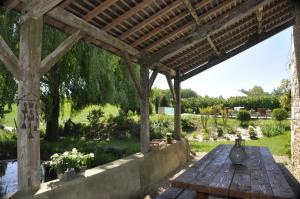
{"points": [[188, 123], [205, 113], [279, 114], [254, 92], [243, 116], [94, 117], [229, 130], [164, 101], [188, 93], [220, 131], [271, 130], [70, 160], [159, 127], [205, 136], [252, 132]]}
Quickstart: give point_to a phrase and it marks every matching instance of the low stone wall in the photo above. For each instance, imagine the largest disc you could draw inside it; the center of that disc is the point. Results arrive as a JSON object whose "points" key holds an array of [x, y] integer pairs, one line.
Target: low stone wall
{"points": [[123, 178]]}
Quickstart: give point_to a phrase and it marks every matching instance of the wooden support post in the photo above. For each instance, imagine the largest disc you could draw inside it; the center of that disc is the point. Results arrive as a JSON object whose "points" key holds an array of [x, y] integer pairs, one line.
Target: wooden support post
{"points": [[145, 134], [28, 104], [259, 16], [177, 117]]}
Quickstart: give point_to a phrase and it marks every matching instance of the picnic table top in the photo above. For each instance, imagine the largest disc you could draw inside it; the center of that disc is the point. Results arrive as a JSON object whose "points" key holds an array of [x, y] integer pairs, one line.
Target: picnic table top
{"points": [[258, 177]]}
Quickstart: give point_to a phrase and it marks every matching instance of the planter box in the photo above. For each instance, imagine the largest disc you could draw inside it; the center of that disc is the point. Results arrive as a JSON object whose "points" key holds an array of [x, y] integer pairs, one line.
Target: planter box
{"points": [[158, 144]]}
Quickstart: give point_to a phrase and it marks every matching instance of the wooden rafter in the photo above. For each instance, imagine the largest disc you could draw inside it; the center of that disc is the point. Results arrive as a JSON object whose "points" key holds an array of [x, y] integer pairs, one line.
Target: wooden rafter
{"points": [[192, 11], [170, 83], [190, 39], [165, 69], [190, 24], [37, 8], [11, 4], [259, 16], [150, 19], [130, 68], [59, 52], [126, 15], [212, 45], [78, 23], [251, 42], [99, 9], [9, 59], [153, 77], [66, 3]]}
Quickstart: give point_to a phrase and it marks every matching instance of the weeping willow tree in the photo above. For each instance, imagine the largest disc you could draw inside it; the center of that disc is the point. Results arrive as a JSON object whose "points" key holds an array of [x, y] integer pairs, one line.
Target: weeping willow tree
{"points": [[9, 30]]}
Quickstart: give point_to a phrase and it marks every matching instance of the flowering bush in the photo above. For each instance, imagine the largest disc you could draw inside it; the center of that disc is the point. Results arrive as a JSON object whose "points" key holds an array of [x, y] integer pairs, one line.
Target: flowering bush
{"points": [[70, 160]]}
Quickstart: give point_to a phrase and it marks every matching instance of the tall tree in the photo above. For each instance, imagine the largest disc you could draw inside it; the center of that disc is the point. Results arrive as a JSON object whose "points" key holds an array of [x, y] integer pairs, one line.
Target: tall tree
{"points": [[256, 91]]}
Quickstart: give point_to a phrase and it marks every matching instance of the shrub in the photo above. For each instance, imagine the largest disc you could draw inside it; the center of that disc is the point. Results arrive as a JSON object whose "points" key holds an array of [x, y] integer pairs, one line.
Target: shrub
{"points": [[220, 131], [159, 127], [279, 114], [188, 123], [205, 136], [244, 124], [243, 116], [205, 112], [272, 130], [94, 116], [229, 130], [252, 132]]}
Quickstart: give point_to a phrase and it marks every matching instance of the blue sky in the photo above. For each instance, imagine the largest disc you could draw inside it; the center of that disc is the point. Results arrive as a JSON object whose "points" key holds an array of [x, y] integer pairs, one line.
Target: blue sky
{"points": [[265, 65]]}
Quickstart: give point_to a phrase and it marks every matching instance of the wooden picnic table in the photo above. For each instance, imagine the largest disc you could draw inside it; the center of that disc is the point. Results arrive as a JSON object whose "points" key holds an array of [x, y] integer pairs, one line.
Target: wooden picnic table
{"points": [[214, 174]]}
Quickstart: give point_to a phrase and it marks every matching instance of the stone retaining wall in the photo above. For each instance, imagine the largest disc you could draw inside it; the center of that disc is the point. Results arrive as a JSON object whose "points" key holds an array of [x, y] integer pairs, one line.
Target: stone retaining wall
{"points": [[124, 178]]}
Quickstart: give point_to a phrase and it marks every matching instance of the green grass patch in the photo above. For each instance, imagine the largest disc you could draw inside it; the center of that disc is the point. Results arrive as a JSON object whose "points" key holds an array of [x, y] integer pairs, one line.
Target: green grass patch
{"points": [[276, 144]]}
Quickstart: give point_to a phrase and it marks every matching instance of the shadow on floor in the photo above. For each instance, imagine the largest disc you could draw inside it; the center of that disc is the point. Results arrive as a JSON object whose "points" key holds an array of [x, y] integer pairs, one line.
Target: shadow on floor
{"points": [[293, 182]]}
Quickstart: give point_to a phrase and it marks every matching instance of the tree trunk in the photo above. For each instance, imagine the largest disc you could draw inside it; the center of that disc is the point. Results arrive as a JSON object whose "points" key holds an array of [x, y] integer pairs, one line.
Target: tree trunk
{"points": [[52, 131]]}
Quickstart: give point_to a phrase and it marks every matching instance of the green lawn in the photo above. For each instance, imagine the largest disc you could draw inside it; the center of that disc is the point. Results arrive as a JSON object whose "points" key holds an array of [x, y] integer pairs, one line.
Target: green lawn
{"points": [[276, 144]]}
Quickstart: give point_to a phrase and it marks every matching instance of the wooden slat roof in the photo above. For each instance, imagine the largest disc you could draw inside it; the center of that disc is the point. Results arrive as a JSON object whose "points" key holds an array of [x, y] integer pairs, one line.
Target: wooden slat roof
{"points": [[186, 35]]}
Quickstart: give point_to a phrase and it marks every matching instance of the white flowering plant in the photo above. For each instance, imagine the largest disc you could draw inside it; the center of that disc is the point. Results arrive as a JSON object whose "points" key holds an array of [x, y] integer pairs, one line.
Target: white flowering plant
{"points": [[70, 160]]}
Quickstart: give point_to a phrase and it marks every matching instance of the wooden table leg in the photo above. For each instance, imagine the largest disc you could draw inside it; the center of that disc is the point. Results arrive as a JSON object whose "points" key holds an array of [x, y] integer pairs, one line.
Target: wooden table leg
{"points": [[201, 195]]}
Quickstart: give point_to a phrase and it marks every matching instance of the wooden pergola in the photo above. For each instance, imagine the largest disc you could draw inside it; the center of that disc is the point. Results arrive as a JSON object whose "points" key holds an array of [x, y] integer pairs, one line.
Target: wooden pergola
{"points": [[177, 38]]}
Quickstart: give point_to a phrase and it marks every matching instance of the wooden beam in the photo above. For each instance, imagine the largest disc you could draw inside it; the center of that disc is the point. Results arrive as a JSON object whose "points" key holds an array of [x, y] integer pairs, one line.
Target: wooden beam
{"points": [[171, 87], [192, 11], [37, 8], [177, 112], [165, 69], [99, 9], [28, 142], [192, 38], [10, 4], [9, 59], [127, 15], [130, 68], [212, 45], [144, 109], [259, 16], [152, 18], [153, 77], [79, 24], [59, 52], [251, 42]]}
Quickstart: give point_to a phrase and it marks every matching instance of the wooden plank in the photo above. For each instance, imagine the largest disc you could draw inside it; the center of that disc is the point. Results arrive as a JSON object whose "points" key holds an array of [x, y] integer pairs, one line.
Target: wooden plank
{"points": [[165, 69], [130, 68], [190, 39], [145, 134], [251, 42], [241, 183], [268, 160], [59, 52], [99, 9], [9, 59], [37, 8], [221, 182], [79, 24], [187, 194], [212, 45], [171, 87], [192, 11], [127, 15], [153, 77], [259, 16], [170, 193], [150, 19], [10, 4], [177, 116]]}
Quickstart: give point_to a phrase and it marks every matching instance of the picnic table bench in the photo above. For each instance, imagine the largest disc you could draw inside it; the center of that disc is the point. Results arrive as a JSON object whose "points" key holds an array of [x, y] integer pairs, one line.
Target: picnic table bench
{"points": [[214, 174]]}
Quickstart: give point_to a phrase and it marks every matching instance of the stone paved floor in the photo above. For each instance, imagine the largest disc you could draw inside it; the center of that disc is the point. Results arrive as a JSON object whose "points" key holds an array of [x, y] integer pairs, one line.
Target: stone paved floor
{"points": [[163, 185]]}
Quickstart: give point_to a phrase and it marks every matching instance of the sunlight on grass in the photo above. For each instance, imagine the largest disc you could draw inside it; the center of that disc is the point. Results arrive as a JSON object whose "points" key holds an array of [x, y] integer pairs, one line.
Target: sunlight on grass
{"points": [[276, 144]]}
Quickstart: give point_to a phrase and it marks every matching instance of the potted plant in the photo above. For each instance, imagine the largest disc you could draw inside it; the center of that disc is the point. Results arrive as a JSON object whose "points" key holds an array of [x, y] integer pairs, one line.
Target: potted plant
{"points": [[70, 164]]}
